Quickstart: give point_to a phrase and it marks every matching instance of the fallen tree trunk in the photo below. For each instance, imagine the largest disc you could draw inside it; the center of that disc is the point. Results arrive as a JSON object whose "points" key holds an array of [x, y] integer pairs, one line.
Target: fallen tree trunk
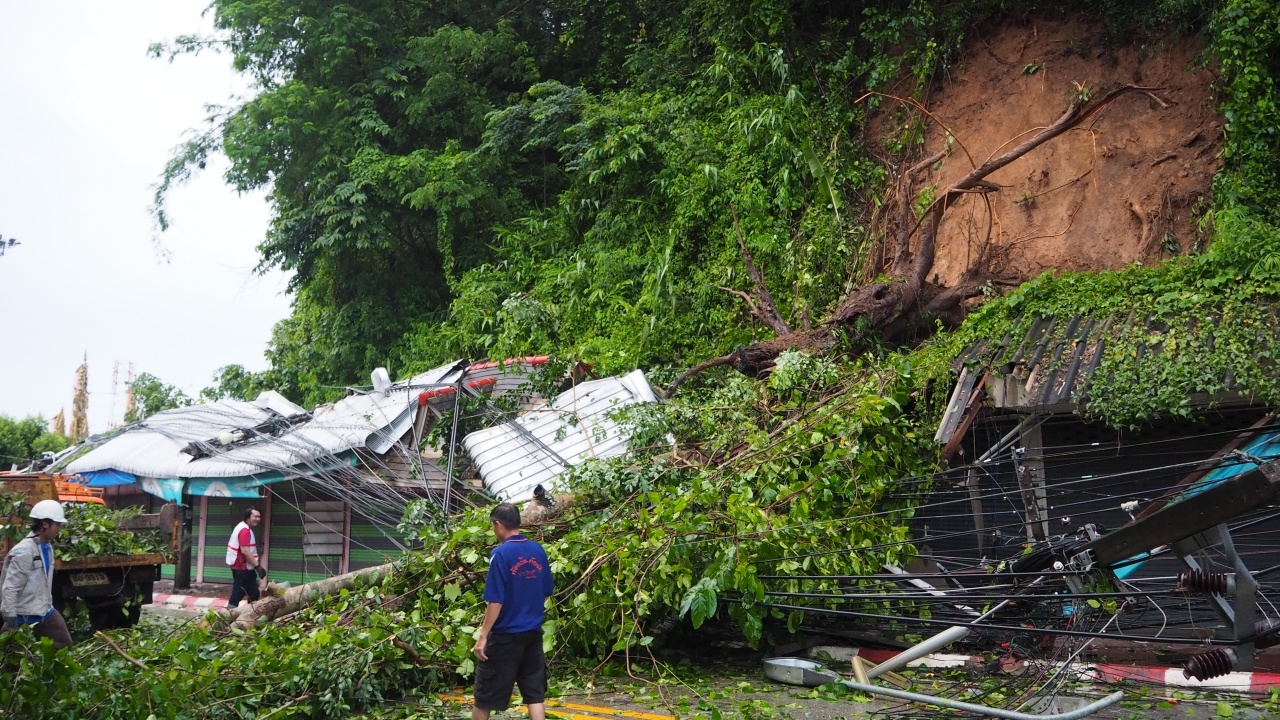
{"points": [[295, 599]]}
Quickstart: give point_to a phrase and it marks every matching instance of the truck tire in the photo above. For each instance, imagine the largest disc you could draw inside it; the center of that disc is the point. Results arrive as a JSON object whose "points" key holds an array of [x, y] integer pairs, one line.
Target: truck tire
{"points": [[107, 616], [121, 611]]}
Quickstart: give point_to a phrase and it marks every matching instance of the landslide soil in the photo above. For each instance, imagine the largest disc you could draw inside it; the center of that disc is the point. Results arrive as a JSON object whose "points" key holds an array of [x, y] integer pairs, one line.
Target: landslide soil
{"points": [[1130, 186]]}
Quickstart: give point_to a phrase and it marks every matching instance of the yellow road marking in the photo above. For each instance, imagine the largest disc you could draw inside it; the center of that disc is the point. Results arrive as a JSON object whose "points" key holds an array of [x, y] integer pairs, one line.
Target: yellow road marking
{"points": [[597, 709], [609, 711]]}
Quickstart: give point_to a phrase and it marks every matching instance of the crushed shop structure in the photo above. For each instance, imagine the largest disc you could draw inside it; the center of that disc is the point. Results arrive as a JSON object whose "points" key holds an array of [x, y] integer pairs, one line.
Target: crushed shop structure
{"points": [[333, 482]]}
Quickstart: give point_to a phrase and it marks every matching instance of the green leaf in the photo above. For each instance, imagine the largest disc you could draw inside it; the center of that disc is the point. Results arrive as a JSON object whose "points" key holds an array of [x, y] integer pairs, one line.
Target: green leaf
{"points": [[700, 602], [794, 618]]}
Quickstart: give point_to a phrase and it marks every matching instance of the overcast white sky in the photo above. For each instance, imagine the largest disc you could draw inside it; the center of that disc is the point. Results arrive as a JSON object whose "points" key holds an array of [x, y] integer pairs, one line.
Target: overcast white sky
{"points": [[87, 122]]}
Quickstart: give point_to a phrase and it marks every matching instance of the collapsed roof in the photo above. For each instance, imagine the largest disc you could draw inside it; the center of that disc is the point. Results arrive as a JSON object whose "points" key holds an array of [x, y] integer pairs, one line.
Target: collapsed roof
{"points": [[537, 447], [228, 448]]}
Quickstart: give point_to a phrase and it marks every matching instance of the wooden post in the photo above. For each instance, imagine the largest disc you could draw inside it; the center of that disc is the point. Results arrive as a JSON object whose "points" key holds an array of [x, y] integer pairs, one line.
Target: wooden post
{"points": [[1029, 465], [182, 563], [975, 505], [204, 517]]}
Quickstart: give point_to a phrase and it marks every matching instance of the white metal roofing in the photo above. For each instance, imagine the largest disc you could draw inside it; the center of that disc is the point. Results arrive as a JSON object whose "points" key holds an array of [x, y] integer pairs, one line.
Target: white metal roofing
{"points": [[574, 428], [153, 448]]}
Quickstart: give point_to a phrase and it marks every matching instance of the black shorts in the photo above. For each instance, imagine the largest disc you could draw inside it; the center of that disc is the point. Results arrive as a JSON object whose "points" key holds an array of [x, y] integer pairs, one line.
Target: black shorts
{"points": [[514, 659]]}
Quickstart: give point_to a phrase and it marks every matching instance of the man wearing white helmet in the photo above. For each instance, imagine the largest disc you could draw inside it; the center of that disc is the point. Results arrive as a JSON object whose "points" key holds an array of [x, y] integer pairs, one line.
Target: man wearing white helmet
{"points": [[26, 586]]}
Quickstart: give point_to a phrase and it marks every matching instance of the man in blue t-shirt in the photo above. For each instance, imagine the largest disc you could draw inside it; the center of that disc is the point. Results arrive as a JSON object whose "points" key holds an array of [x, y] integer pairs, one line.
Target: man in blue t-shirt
{"points": [[510, 644]]}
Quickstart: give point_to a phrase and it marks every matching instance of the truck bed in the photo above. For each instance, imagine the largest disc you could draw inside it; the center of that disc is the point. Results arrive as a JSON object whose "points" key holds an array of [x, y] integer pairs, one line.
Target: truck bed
{"points": [[106, 561]]}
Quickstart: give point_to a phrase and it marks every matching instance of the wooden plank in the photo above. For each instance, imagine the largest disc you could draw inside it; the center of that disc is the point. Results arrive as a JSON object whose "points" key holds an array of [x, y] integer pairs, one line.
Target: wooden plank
{"points": [[318, 534], [334, 549], [344, 565], [309, 526], [108, 561], [143, 522], [975, 505], [266, 531], [955, 406], [323, 517], [971, 412]]}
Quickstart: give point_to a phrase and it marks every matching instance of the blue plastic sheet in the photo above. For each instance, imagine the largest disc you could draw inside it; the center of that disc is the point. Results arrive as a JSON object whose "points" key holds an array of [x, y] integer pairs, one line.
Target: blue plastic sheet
{"points": [[1264, 447], [108, 478]]}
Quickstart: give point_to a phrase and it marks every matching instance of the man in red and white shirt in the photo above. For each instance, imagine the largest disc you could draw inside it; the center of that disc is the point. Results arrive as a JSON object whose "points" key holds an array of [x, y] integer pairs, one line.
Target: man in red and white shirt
{"points": [[242, 556]]}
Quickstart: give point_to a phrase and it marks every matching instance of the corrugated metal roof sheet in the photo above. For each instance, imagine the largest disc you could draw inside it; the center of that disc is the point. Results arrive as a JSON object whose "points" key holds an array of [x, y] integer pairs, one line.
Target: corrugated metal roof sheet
{"points": [[154, 447], [1053, 364], [537, 447]]}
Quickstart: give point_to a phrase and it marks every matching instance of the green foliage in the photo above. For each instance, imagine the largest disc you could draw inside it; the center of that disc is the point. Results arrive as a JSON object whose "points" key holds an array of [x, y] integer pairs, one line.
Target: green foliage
{"points": [[795, 369], [23, 441], [152, 395], [331, 661], [496, 178], [233, 382], [1199, 325], [13, 518], [681, 538], [93, 530], [649, 540], [1246, 42], [461, 180]]}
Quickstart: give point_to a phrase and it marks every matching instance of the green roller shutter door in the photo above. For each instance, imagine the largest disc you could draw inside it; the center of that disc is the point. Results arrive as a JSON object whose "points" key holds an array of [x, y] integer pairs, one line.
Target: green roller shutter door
{"points": [[222, 516], [370, 545], [287, 558]]}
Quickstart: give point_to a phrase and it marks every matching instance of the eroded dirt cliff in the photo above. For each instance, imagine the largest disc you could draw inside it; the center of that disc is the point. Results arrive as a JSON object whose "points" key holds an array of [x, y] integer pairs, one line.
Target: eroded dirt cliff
{"points": [[1129, 186]]}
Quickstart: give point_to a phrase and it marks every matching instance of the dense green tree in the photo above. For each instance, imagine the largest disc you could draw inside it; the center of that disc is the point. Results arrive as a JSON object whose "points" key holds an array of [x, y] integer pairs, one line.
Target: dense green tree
{"points": [[504, 177], [233, 382], [151, 395], [22, 441], [499, 177]]}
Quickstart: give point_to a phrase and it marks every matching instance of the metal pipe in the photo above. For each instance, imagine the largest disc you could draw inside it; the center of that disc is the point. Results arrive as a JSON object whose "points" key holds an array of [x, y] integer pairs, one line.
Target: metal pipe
{"points": [[453, 444], [937, 642], [1018, 429], [1085, 711]]}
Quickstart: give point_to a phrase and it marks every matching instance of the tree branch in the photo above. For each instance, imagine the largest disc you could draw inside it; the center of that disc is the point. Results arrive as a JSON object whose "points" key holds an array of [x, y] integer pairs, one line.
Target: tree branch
{"points": [[768, 308], [975, 179], [119, 651], [902, 244], [705, 365], [745, 298]]}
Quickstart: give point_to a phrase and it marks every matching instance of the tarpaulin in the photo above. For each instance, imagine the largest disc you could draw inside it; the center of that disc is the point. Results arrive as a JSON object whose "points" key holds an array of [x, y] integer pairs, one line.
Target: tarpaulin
{"points": [[107, 478]]}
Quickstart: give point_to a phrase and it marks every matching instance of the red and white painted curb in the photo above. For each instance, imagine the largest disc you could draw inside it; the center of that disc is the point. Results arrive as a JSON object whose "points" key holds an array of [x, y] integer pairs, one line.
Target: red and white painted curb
{"points": [[936, 660], [190, 602], [1256, 682], [1253, 682]]}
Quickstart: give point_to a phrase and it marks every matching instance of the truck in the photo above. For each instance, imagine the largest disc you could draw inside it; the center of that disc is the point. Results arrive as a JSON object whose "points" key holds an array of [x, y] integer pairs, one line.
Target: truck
{"points": [[113, 588]]}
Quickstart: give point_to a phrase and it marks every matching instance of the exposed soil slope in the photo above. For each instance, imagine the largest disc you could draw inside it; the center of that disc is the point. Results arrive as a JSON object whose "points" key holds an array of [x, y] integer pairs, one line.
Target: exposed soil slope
{"points": [[1129, 186]]}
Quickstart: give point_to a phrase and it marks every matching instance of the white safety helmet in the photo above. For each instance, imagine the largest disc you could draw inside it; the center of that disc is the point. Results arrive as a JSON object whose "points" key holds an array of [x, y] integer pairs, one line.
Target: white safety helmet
{"points": [[48, 510]]}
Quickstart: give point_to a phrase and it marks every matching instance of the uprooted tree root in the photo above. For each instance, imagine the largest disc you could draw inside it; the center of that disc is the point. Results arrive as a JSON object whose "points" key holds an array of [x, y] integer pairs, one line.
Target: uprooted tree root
{"points": [[886, 310]]}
